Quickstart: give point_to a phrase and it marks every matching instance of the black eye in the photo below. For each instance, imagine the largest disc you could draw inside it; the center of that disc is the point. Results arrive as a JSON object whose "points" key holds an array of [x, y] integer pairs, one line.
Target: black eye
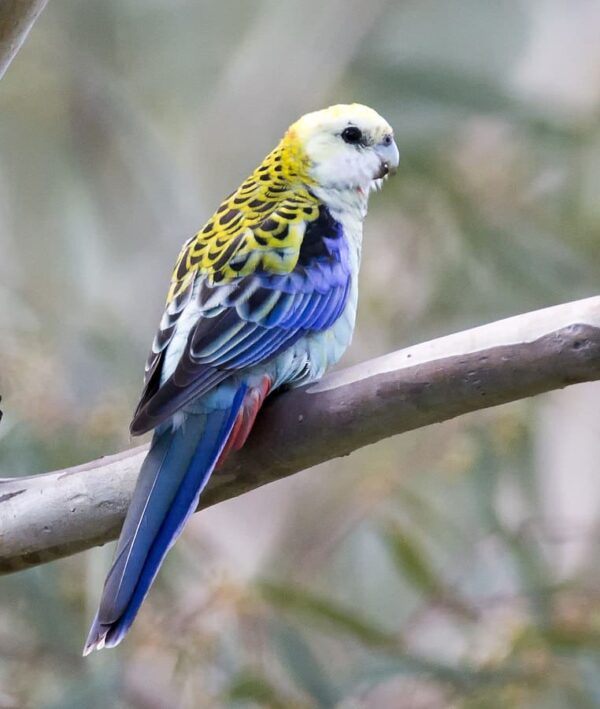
{"points": [[352, 135], [387, 139]]}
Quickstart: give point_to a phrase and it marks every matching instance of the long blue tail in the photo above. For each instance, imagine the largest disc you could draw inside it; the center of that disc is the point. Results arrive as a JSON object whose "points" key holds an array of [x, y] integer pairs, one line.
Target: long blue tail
{"points": [[173, 474]]}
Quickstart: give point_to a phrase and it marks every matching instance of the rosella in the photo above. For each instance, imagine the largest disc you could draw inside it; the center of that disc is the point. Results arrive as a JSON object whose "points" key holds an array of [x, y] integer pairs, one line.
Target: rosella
{"points": [[263, 296]]}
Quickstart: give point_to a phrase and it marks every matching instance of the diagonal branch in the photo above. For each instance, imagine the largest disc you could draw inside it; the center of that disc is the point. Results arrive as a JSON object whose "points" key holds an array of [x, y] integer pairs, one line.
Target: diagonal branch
{"points": [[49, 516], [16, 19]]}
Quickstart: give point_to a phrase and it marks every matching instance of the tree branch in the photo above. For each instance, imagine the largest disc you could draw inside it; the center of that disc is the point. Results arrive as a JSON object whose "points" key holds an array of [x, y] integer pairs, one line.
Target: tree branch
{"points": [[49, 516], [16, 19]]}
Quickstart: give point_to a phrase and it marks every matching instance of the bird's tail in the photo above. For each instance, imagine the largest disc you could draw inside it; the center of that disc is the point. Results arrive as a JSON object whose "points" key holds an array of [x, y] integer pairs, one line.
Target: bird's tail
{"points": [[173, 475]]}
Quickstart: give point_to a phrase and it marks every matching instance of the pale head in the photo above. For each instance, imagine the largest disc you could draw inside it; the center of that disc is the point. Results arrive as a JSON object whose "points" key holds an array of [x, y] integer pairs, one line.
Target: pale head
{"points": [[344, 147]]}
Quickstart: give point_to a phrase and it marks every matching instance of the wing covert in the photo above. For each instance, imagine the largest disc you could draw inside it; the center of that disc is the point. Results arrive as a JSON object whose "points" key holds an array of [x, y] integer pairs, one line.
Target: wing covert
{"points": [[297, 282]]}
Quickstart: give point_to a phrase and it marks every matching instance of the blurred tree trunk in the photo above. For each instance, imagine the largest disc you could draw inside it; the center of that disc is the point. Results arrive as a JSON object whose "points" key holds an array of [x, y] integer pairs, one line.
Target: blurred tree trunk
{"points": [[16, 19], [567, 438]]}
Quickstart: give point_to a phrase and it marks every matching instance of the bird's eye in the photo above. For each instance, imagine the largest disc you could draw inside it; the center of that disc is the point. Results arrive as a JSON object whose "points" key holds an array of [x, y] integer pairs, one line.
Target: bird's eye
{"points": [[352, 135], [387, 139]]}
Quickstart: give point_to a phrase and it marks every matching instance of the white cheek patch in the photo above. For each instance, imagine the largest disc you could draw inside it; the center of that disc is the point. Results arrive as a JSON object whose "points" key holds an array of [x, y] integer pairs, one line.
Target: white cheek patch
{"points": [[350, 169]]}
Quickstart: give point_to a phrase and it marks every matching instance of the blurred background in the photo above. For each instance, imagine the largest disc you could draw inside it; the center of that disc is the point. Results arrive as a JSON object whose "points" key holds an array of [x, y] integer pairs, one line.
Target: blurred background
{"points": [[456, 566]]}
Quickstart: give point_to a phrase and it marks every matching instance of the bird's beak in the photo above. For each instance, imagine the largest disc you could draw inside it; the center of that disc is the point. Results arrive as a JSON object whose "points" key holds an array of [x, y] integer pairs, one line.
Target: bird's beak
{"points": [[390, 158]]}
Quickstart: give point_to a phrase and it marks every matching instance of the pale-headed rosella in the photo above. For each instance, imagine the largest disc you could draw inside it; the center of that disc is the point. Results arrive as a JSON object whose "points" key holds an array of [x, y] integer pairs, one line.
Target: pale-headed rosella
{"points": [[263, 296]]}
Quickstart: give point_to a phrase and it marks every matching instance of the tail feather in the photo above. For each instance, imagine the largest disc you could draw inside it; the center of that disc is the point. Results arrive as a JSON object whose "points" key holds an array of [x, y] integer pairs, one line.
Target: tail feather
{"points": [[173, 475]]}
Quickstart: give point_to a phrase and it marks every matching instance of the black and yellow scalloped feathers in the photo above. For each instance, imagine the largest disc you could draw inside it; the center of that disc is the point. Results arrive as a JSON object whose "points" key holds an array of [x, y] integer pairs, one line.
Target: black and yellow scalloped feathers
{"points": [[259, 226]]}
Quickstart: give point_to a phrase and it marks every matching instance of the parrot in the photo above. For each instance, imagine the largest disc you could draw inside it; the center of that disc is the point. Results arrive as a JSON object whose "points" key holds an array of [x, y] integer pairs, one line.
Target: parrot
{"points": [[263, 297]]}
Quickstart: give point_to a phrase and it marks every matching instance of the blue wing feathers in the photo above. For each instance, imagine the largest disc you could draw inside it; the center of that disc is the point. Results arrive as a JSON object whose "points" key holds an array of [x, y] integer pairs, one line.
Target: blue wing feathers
{"points": [[309, 299], [320, 316], [266, 348], [280, 310], [231, 357], [224, 341]]}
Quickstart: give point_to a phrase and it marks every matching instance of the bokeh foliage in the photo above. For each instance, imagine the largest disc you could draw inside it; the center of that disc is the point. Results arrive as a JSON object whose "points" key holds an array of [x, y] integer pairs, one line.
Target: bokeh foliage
{"points": [[422, 572]]}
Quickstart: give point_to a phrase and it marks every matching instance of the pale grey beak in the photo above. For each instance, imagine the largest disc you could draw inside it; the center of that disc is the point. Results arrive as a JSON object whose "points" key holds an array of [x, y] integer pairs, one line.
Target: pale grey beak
{"points": [[390, 158]]}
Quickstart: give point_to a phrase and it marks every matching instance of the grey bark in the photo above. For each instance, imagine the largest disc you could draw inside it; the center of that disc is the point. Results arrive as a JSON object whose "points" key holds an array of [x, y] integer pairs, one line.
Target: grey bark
{"points": [[16, 19], [49, 516]]}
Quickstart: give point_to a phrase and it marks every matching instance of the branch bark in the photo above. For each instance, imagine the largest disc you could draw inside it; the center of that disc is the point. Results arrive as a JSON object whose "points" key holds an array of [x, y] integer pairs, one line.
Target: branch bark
{"points": [[16, 19], [49, 516]]}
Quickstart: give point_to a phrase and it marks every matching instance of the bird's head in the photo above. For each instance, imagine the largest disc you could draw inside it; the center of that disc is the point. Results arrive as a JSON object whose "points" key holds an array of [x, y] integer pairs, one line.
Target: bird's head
{"points": [[344, 147]]}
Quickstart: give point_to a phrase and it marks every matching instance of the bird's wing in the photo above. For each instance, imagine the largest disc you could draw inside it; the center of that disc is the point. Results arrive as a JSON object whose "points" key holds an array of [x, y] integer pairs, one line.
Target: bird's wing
{"points": [[256, 289]]}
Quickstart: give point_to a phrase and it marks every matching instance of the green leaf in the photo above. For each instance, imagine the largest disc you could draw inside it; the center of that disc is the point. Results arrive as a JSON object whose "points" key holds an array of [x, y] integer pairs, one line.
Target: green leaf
{"points": [[249, 687], [305, 669], [411, 560], [336, 616]]}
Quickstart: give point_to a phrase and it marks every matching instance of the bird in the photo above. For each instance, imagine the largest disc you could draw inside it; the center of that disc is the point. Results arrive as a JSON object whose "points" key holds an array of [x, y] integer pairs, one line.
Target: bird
{"points": [[264, 296]]}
